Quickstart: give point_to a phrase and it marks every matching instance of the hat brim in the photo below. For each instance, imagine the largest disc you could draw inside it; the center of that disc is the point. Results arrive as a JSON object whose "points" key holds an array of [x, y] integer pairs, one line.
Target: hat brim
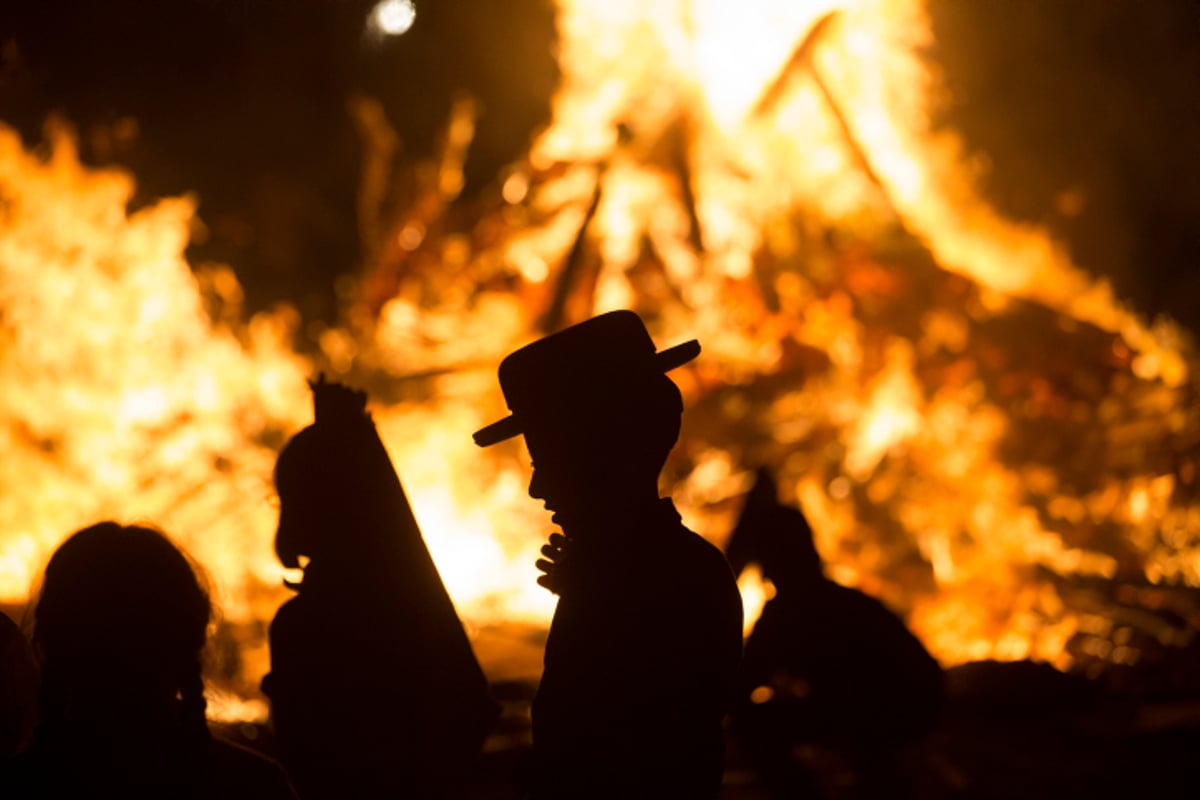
{"points": [[506, 428], [677, 356], [510, 426]]}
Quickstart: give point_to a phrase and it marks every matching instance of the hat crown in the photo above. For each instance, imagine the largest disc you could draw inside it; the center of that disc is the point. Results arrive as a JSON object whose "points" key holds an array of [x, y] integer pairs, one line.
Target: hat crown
{"points": [[601, 348], [609, 354]]}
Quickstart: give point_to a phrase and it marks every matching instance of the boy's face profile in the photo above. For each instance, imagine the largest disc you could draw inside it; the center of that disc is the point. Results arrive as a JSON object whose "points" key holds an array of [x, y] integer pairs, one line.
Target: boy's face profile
{"points": [[585, 466], [562, 471]]}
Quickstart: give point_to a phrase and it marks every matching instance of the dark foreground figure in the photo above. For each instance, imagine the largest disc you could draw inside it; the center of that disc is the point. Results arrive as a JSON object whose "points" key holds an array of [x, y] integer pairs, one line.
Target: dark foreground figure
{"points": [[119, 629], [825, 666], [18, 690], [643, 651], [375, 691]]}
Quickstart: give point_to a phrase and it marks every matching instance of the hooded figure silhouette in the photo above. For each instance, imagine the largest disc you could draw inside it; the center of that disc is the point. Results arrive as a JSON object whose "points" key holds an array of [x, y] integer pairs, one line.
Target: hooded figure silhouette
{"points": [[643, 651], [374, 688], [825, 665]]}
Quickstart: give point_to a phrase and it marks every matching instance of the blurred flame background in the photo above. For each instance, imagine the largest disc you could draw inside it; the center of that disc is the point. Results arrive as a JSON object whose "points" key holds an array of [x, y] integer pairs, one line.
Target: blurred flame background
{"points": [[982, 433]]}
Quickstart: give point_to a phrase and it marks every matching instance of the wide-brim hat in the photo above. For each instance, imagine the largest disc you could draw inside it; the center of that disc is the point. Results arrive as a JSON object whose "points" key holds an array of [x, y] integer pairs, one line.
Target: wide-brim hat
{"points": [[609, 353]]}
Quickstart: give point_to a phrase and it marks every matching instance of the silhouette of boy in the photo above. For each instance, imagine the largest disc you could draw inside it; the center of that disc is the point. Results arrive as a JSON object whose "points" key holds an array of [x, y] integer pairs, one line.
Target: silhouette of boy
{"points": [[374, 688], [825, 664], [644, 647]]}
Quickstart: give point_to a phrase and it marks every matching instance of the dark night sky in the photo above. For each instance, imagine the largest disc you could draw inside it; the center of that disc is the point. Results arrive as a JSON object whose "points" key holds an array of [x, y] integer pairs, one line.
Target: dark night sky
{"points": [[1101, 98], [244, 104]]}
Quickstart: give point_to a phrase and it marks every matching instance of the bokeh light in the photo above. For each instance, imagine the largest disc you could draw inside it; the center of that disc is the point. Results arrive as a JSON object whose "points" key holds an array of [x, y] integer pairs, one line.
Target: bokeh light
{"points": [[393, 17]]}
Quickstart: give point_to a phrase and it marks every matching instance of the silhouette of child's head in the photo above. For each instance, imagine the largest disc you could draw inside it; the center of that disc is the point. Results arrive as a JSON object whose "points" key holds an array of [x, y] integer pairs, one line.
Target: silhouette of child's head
{"points": [[122, 618], [332, 478], [597, 411], [310, 489]]}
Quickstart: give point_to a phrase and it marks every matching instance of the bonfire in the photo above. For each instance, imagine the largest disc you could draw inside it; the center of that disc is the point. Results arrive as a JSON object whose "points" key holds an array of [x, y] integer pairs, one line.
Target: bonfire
{"points": [[980, 432]]}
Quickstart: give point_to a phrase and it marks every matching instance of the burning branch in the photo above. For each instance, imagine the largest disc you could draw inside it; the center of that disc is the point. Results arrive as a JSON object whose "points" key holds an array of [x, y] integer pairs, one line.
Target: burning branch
{"points": [[803, 63]]}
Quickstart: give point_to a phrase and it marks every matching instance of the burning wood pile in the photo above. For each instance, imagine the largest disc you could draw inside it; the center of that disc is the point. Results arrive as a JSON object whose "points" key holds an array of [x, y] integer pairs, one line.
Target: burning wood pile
{"points": [[980, 433]]}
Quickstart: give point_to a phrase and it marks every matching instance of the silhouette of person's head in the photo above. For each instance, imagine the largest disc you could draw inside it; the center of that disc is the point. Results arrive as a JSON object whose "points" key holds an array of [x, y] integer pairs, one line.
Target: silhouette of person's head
{"points": [[597, 411], [334, 481], [776, 537], [120, 626]]}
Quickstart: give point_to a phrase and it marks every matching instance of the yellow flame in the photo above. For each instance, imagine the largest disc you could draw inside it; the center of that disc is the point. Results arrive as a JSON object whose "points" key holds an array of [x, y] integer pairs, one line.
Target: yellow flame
{"points": [[756, 591], [122, 398]]}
